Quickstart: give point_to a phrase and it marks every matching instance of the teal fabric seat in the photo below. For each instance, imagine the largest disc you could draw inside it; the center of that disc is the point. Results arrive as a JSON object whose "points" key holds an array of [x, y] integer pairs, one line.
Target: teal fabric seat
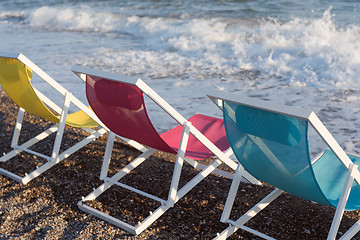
{"points": [[279, 144], [330, 175], [271, 143]]}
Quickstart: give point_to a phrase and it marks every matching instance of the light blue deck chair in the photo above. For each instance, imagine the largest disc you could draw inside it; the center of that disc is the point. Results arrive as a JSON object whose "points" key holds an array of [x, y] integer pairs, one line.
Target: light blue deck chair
{"points": [[271, 143]]}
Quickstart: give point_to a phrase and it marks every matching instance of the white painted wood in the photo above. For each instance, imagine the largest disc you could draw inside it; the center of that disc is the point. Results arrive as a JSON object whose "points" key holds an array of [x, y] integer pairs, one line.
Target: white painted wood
{"points": [[215, 96]]}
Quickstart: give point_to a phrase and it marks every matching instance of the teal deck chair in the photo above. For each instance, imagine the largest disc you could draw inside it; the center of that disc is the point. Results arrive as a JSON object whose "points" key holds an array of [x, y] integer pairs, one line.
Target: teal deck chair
{"points": [[271, 143]]}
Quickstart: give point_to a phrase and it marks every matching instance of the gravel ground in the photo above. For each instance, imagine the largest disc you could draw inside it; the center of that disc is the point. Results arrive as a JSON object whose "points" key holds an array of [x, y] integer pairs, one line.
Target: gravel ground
{"points": [[46, 208]]}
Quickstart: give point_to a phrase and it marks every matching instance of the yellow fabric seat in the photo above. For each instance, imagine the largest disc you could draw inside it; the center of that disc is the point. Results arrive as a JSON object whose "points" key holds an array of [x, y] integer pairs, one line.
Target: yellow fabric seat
{"points": [[15, 79]]}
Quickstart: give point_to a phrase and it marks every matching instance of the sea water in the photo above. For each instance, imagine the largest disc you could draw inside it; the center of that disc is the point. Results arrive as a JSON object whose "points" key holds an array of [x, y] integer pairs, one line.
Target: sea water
{"points": [[300, 53]]}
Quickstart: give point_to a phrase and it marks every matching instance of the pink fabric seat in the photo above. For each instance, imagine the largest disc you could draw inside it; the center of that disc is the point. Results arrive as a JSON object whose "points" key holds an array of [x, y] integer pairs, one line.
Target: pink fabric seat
{"points": [[212, 128], [120, 106]]}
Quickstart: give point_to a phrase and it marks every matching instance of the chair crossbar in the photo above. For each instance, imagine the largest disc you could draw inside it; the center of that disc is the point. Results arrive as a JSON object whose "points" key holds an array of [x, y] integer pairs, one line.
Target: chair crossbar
{"points": [[351, 232], [200, 166], [135, 230], [127, 227], [48, 102], [29, 143], [135, 190], [42, 74], [33, 152], [28, 176], [136, 162], [198, 178], [134, 144], [235, 225], [40, 136], [253, 231], [128, 168], [151, 218], [82, 143], [259, 206], [11, 175], [89, 130]]}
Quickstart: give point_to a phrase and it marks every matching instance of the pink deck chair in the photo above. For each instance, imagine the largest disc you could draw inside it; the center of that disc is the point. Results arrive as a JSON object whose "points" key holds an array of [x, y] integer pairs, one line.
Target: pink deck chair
{"points": [[118, 101]]}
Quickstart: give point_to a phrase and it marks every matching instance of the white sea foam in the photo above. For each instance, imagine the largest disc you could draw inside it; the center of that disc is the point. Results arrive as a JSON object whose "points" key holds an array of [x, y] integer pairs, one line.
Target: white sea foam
{"points": [[303, 52], [308, 62], [84, 19]]}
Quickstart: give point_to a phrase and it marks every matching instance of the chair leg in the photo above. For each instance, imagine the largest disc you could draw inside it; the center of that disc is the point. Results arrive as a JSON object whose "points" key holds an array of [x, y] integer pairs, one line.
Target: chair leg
{"points": [[232, 193], [17, 129], [342, 203], [178, 165], [60, 131], [234, 226], [107, 156]]}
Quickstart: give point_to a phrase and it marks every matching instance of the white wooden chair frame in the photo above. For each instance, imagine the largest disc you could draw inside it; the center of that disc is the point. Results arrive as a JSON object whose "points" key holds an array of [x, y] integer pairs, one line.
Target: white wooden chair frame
{"points": [[55, 157], [353, 172], [175, 194]]}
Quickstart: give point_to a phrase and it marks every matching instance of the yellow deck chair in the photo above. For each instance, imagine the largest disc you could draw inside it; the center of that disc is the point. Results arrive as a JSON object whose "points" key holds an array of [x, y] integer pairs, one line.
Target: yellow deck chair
{"points": [[15, 75]]}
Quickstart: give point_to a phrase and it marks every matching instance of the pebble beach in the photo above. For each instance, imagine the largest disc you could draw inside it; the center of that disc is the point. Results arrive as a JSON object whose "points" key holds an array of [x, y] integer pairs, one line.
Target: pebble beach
{"points": [[46, 208], [297, 53]]}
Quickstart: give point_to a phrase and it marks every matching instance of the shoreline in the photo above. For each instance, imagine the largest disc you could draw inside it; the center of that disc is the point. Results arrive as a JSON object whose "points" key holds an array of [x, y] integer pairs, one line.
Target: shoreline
{"points": [[46, 208]]}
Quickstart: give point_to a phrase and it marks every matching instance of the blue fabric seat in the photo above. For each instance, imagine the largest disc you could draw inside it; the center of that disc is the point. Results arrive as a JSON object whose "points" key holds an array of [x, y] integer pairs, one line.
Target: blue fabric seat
{"points": [[330, 175], [279, 144], [271, 143]]}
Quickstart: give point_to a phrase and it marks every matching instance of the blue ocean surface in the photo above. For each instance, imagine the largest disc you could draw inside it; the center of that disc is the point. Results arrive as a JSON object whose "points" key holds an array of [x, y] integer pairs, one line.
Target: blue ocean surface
{"points": [[301, 53]]}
